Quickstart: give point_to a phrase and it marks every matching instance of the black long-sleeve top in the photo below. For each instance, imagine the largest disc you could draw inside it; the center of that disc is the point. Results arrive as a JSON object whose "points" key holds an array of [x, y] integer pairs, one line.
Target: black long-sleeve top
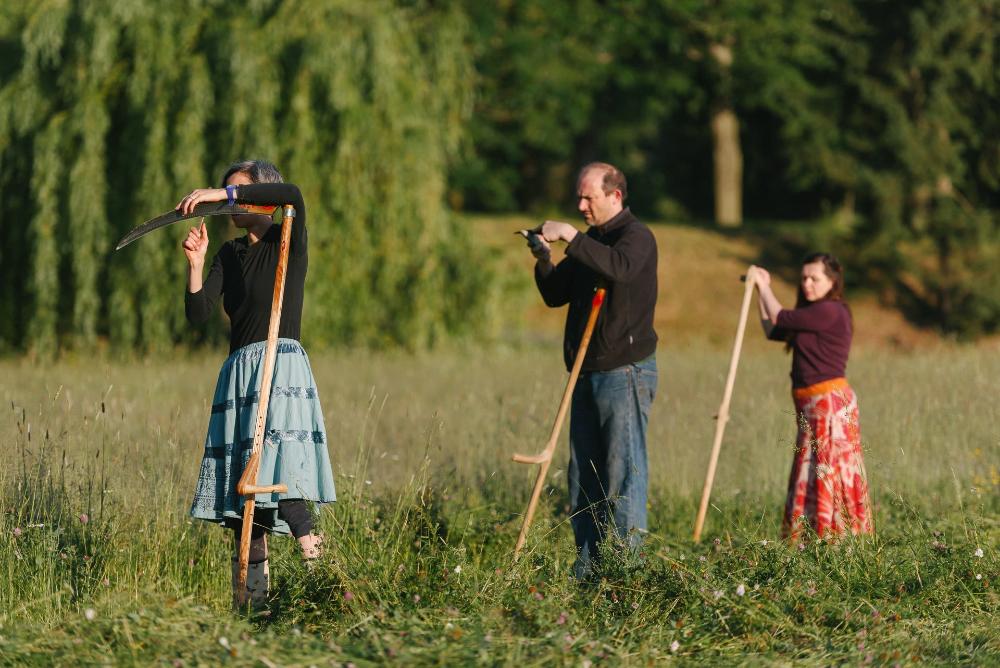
{"points": [[243, 274], [622, 255]]}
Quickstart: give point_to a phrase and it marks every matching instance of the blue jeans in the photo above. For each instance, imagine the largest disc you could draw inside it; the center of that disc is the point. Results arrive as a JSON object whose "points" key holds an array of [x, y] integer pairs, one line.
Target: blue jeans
{"points": [[608, 473]]}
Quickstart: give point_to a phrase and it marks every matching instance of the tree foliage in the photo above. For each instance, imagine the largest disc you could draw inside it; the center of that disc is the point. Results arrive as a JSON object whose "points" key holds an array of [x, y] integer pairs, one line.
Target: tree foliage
{"points": [[876, 118], [111, 110], [879, 116]]}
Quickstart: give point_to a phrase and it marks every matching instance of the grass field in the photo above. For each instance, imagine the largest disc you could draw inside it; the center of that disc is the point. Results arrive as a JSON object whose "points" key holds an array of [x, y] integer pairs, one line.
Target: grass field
{"points": [[420, 567], [100, 564]]}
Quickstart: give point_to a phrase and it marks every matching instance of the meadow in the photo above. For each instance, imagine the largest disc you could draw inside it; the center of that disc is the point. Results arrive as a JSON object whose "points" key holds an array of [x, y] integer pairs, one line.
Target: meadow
{"points": [[100, 565]]}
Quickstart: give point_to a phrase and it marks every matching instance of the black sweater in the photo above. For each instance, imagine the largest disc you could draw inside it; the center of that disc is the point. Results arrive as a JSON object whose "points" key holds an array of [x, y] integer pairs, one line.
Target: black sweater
{"points": [[243, 274], [621, 254]]}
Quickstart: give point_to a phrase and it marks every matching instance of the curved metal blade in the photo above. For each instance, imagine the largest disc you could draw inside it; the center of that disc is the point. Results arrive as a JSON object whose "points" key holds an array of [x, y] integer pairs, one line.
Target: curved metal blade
{"points": [[204, 209]]}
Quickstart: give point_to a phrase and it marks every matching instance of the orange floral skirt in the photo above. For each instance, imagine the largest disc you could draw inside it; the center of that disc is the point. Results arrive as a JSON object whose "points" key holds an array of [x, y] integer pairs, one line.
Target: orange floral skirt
{"points": [[828, 488]]}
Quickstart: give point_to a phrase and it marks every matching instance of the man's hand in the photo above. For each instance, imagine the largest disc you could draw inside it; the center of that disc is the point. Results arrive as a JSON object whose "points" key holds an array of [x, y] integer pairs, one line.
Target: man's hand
{"points": [[553, 230], [540, 249], [196, 245]]}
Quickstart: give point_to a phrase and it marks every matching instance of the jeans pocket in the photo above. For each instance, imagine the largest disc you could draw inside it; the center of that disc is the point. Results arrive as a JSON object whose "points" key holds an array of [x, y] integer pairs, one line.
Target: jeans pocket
{"points": [[647, 378]]}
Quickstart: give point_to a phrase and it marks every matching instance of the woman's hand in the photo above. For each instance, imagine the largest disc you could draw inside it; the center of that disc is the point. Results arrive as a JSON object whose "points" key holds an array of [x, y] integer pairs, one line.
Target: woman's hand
{"points": [[196, 197], [761, 276], [196, 246]]}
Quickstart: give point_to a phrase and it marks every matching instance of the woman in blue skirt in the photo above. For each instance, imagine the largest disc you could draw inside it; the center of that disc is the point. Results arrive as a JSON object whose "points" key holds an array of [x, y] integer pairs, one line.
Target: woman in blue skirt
{"points": [[294, 451]]}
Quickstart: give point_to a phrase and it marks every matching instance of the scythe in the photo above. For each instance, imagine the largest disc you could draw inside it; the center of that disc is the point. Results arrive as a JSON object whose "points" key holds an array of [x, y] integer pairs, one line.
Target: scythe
{"points": [[247, 485]]}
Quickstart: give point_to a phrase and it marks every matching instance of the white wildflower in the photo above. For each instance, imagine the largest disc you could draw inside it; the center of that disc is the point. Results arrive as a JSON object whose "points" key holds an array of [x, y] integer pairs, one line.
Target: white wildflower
{"points": [[740, 590], [90, 614], [978, 553], [674, 646], [458, 569]]}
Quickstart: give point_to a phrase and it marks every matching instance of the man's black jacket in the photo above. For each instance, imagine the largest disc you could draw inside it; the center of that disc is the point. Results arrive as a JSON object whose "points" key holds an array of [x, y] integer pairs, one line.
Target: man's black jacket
{"points": [[621, 255]]}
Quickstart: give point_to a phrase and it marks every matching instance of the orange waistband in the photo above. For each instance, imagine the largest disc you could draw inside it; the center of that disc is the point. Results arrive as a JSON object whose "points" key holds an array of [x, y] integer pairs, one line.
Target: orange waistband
{"points": [[820, 388]]}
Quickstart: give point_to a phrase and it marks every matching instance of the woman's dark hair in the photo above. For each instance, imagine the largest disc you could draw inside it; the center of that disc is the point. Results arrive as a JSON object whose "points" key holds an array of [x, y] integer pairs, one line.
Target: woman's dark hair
{"points": [[259, 171], [835, 272]]}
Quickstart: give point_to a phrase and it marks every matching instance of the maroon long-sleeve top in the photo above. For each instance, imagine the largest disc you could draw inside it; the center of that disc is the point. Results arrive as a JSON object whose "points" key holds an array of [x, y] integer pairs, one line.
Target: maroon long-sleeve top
{"points": [[820, 335]]}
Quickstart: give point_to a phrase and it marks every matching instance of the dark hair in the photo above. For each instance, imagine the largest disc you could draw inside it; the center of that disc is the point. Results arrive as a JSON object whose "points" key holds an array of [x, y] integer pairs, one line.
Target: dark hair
{"points": [[259, 171], [613, 178], [835, 272]]}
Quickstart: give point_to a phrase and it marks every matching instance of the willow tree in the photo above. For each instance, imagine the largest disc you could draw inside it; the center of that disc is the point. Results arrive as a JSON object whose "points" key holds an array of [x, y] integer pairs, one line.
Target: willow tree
{"points": [[110, 109]]}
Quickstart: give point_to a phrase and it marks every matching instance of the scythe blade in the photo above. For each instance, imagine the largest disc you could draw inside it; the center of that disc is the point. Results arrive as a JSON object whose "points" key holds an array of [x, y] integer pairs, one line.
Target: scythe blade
{"points": [[203, 209]]}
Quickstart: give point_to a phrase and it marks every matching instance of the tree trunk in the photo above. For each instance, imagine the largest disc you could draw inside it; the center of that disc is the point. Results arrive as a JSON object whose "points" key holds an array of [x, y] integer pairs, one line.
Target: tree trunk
{"points": [[728, 159]]}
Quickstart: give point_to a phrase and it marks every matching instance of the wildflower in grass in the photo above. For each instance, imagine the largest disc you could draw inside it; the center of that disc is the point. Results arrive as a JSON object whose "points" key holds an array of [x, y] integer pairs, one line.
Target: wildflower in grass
{"points": [[979, 576], [90, 614], [702, 559], [84, 518], [763, 543], [416, 598], [802, 547], [17, 531], [458, 569], [740, 590], [674, 646], [106, 582], [348, 595], [718, 594], [224, 641], [978, 554], [562, 618]]}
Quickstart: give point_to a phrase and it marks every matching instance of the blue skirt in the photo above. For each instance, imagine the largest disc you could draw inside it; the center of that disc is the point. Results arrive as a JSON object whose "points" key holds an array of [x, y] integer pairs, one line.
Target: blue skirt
{"points": [[294, 451]]}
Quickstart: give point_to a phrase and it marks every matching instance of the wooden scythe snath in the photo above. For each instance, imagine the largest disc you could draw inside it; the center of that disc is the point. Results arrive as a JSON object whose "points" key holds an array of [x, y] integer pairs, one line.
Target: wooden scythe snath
{"points": [[723, 416], [247, 485], [545, 456]]}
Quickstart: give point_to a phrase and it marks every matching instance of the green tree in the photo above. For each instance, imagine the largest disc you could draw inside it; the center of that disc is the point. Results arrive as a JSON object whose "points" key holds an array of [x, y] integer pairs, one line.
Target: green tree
{"points": [[109, 110], [906, 130]]}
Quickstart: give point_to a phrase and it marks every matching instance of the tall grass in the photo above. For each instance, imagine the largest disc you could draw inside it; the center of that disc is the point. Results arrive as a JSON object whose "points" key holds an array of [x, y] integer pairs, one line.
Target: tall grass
{"points": [[100, 563]]}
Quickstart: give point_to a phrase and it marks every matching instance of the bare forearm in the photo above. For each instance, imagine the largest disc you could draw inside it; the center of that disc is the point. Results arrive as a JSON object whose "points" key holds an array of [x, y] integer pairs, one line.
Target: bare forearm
{"points": [[195, 280], [770, 307], [765, 321]]}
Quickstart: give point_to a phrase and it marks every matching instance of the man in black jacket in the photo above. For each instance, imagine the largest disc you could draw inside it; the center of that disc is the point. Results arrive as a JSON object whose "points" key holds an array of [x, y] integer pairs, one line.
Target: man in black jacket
{"points": [[608, 474]]}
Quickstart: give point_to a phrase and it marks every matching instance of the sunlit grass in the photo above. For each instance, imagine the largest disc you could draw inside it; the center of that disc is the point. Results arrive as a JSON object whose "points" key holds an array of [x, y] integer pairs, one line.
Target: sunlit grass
{"points": [[99, 561]]}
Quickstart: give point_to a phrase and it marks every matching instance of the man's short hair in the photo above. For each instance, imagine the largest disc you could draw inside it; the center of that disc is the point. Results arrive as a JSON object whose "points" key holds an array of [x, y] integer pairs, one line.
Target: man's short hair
{"points": [[613, 178]]}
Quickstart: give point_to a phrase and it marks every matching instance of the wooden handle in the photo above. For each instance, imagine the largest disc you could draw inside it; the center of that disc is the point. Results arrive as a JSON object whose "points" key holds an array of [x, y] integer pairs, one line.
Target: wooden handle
{"points": [[545, 456], [247, 485], [723, 415]]}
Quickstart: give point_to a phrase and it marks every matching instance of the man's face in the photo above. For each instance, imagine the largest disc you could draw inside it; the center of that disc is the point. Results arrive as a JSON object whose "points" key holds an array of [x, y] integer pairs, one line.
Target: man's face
{"points": [[597, 208]]}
